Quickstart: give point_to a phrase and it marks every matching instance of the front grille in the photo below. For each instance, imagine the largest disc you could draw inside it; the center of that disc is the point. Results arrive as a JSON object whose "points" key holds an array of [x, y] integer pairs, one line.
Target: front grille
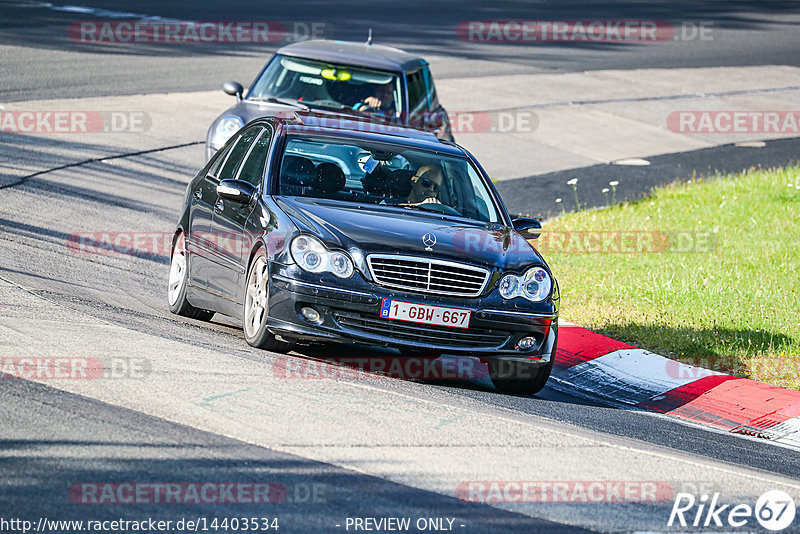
{"points": [[427, 275], [372, 325]]}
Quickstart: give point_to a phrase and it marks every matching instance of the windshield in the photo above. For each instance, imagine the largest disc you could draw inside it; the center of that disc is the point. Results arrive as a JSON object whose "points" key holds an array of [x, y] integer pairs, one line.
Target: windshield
{"points": [[384, 174], [330, 86]]}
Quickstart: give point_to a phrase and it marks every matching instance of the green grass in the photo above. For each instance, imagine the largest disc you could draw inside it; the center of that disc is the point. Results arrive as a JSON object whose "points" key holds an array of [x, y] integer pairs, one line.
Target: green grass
{"points": [[729, 300]]}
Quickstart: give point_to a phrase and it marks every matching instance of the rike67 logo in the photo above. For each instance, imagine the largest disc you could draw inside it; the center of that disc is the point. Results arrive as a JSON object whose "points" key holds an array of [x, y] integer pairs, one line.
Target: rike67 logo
{"points": [[774, 510]]}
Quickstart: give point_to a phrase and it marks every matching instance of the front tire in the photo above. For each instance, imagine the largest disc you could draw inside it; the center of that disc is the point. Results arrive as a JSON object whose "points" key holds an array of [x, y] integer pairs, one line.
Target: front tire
{"points": [[519, 378], [256, 307], [179, 282]]}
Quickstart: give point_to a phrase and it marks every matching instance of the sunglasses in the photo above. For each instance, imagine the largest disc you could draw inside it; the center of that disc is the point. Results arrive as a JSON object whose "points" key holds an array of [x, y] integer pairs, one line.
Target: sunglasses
{"points": [[427, 183]]}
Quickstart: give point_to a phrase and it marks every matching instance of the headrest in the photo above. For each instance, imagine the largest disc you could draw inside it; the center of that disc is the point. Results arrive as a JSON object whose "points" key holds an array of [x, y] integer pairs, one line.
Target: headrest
{"points": [[329, 179], [399, 183], [298, 170], [391, 183], [374, 182]]}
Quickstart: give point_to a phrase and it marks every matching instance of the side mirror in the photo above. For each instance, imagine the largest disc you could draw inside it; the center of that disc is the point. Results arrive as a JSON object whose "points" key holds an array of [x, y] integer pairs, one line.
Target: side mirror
{"points": [[236, 190], [233, 89], [528, 228]]}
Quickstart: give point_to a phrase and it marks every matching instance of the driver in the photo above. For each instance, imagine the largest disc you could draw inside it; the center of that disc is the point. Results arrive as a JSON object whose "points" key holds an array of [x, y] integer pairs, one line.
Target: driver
{"points": [[382, 99], [425, 185]]}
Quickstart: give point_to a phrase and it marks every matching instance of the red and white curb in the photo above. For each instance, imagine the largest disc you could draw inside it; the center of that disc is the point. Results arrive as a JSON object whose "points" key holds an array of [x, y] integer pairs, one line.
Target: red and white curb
{"points": [[627, 375]]}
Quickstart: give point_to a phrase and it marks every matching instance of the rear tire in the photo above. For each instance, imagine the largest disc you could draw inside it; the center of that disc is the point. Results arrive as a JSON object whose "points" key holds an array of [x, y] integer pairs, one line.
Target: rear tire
{"points": [[179, 282], [519, 378], [256, 307]]}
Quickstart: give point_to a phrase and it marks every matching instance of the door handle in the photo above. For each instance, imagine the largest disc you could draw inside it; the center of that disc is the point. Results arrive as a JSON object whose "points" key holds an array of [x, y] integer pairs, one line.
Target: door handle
{"points": [[219, 205], [198, 194]]}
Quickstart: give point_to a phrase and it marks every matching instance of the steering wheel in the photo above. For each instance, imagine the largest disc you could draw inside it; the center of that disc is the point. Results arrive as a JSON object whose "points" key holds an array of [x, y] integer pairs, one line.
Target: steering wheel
{"points": [[443, 208], [363, 106]]}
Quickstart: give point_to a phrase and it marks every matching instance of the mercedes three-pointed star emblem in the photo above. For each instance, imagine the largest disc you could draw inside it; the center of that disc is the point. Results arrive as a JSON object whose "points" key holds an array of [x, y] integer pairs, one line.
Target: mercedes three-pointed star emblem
{"points": [[429, 240]]}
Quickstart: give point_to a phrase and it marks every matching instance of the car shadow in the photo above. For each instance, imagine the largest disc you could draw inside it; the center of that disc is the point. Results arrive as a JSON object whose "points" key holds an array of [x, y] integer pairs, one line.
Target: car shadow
{"points": [[459, 374], [374, 363], [691, 353]]}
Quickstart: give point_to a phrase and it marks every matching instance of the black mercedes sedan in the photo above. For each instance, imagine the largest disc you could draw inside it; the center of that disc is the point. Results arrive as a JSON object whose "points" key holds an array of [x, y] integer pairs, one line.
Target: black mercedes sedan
{"points": [[380, 236]]}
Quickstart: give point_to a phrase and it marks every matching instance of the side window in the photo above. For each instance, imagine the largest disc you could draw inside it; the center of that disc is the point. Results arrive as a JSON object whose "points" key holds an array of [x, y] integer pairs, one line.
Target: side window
{"points": [[220, 159], [430, 89], [417, 94], [253, 167], [238, 152]]}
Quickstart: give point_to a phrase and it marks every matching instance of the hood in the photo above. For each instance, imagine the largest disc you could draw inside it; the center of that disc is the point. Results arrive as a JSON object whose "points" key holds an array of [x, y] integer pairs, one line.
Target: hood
{"points": [[391, 230], [249, 110]]}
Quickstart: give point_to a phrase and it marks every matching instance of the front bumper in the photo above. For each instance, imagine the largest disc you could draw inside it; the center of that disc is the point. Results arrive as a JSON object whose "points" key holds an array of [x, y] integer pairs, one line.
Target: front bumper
{"points": [[350, 312]]}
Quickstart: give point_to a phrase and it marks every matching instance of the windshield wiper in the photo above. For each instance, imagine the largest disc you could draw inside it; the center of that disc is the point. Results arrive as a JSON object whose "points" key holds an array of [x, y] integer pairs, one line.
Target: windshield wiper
{"points": [[285, 101], [328, 105]]}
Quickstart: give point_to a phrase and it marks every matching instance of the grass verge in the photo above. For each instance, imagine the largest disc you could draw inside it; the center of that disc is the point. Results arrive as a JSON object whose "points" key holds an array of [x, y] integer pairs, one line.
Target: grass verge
{"points": [[704, 271]]}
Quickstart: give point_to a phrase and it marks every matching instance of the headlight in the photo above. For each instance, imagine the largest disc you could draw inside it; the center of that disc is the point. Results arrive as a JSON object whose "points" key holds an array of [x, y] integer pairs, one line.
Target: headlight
{"points": [[312, 256], [509, 286], [226, 128], [340, 264], [309, 254], [534, 285]]}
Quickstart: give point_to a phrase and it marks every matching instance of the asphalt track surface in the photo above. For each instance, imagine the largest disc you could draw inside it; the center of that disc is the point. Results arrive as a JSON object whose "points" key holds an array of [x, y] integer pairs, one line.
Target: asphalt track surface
{"points": [[52, 438], [67, 439], [40, 61]]}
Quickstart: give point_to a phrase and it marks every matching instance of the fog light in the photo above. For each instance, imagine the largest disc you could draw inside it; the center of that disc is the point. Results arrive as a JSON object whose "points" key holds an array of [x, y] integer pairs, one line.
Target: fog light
{"points": [[526, 343], [310, 313]]}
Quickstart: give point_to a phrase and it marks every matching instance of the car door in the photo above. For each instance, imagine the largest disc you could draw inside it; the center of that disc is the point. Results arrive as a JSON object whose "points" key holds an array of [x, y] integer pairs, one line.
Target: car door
{"points": [[218, 264], [198, 237]]}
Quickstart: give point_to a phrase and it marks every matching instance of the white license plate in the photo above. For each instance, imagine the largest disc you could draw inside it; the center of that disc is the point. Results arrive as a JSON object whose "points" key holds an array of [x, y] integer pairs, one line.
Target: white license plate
{"points": [[425, 314]]}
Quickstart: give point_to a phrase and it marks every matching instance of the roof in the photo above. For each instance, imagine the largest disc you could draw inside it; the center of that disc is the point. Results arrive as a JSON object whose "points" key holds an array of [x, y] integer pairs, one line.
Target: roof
{"points": [[359, 54], [330, 125]]}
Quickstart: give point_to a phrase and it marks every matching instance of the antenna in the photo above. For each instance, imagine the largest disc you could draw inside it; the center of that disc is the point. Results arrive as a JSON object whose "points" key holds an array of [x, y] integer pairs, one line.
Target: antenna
{"points": [[369, 37]]}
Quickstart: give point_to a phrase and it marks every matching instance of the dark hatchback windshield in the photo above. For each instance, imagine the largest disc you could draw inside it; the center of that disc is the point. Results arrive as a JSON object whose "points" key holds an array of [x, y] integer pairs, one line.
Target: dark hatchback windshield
{"points": [[384, 174], [330, 86]]}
